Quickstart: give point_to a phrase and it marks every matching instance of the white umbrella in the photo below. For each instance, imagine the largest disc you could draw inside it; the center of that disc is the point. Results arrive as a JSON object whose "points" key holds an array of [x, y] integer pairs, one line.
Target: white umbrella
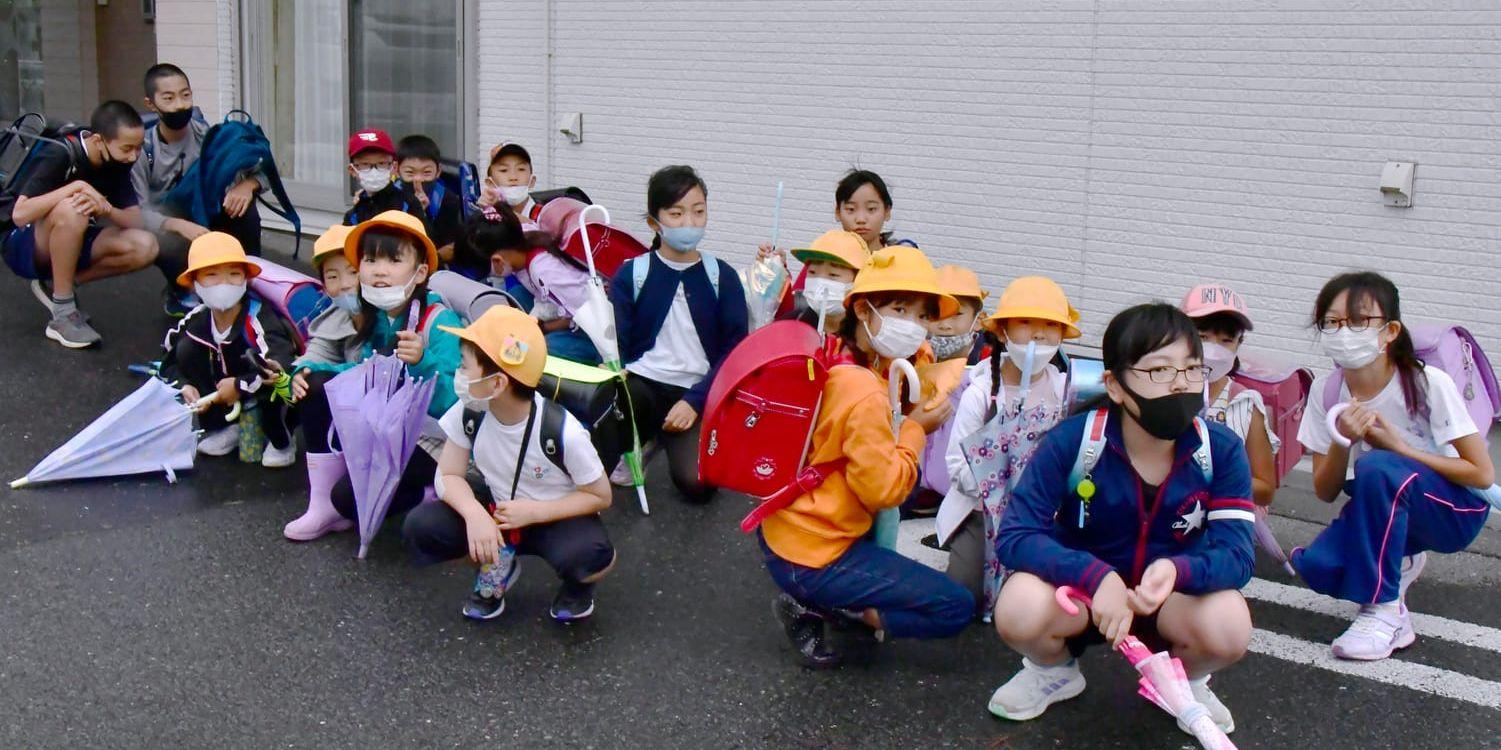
{"points": [[147, 431], [889, 520]]}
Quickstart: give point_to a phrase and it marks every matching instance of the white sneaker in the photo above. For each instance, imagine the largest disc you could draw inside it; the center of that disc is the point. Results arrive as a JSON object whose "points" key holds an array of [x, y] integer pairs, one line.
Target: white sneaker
{"points": [[1375, 634], [621, 475], [279, 458], [1412, 567], [1029, 692], [220, 442], [1217, 710]]}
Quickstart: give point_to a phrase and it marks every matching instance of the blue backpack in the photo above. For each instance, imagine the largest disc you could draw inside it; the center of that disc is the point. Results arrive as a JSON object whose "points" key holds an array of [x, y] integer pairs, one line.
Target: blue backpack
{"points": [[230, 149]]}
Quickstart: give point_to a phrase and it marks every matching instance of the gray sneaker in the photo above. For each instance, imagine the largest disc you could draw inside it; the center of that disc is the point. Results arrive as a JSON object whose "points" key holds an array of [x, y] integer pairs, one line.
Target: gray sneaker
{"points": [[42, 290], [71, 330]]}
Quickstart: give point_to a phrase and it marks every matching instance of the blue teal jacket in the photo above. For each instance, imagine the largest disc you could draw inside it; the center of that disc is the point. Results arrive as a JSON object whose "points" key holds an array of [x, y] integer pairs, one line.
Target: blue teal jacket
{"points": [[1204, 527], [720, 320], [440, 356]]}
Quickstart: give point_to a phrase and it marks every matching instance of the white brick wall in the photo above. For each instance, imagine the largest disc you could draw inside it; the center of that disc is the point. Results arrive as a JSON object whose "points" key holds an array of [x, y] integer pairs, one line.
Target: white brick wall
{"points": [[1127, 149], [199, 37]]}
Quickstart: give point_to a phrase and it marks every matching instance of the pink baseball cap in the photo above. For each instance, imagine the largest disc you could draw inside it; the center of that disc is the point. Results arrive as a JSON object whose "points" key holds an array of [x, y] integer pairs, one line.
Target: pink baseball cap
{"points": [[1207, 299]]}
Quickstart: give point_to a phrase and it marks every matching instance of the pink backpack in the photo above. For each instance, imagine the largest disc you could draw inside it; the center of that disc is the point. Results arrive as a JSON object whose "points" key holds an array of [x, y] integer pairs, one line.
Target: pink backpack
{"points": [[1284, 390], [1455, 351], [294, 296]]}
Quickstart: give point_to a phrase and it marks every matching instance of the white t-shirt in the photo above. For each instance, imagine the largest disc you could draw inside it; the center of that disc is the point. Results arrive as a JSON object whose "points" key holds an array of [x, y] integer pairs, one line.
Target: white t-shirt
{"points": [[496, 444], [1448, 420], [678, 357]]}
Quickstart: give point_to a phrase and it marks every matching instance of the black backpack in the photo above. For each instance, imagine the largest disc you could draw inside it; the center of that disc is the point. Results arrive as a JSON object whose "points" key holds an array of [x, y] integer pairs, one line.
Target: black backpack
{"points": [[551, 437]]}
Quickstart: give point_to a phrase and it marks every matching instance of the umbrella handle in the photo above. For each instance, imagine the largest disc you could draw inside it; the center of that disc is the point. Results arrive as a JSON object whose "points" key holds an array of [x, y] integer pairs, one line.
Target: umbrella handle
{"points": [[900, 370], [584, 230], [1027, 371], [1065, 596], [1332, 422]]}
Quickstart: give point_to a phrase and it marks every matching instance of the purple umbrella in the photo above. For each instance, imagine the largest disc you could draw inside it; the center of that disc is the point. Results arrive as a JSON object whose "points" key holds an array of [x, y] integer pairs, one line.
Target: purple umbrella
{"points": [[378, 411], [147, 431]]}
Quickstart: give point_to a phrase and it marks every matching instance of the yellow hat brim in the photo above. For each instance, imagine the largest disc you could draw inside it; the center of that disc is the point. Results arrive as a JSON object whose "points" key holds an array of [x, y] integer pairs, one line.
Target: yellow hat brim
{"points": [[1070, 330]]}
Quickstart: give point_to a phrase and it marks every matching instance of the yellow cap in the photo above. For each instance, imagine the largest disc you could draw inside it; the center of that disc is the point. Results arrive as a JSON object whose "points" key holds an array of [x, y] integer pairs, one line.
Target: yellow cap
{"points": [[901, 269], [330, 242], [835, 246], [961, 283], [511, 339], [215, 249], [400, 221], [1037, 297]]}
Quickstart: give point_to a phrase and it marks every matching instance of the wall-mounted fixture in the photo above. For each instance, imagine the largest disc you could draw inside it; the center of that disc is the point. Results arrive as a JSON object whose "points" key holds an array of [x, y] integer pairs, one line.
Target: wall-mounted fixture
{"points": [[1396, 183]]}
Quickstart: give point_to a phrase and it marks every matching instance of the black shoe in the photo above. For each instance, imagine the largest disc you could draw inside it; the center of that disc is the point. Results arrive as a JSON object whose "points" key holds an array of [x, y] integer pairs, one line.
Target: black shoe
{"points": [[805, 629], [852, 626], [574, 602], [484, 607], [177, 303]]}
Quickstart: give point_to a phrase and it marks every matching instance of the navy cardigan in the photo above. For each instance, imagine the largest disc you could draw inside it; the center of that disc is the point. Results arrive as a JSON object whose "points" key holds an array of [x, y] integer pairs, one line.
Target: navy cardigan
{"points": [[721, 321]]}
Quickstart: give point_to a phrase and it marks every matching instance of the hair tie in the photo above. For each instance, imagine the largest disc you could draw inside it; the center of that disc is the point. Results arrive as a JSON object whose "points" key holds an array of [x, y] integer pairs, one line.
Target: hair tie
{"points": [[489, 213]]}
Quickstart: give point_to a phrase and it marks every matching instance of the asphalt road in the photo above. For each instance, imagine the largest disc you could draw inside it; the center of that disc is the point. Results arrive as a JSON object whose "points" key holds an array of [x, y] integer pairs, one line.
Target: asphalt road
{"points": [[135, 613]]}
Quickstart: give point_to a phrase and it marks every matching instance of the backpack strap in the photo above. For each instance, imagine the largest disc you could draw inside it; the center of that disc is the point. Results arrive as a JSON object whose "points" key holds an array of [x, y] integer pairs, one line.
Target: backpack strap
{"points": [[553, 418], [471, 423], [1091, 448], [1203, 456], [252, 311], [809, 479], [640, 267], [711, 269], [435, 201]]}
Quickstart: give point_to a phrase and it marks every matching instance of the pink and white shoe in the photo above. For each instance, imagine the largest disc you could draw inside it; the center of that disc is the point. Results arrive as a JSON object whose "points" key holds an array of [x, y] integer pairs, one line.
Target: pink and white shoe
{"points": [[1376, 633]]}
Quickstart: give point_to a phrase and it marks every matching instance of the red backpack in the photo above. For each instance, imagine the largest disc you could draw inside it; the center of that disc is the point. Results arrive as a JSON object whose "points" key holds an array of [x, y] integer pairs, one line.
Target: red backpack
{"points": [[1285, 392], [759, 417]]}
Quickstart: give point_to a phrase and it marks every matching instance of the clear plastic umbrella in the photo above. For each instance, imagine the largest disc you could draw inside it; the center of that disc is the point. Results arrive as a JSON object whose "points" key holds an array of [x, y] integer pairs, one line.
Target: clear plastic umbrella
{"points": [[888, 521], [596, 317], [147, 431]]}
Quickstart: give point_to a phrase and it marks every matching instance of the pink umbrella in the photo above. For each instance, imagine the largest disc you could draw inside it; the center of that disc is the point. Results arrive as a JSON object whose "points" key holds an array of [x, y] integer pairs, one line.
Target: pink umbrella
{"points": [[1268, 541], [1163, 681]]}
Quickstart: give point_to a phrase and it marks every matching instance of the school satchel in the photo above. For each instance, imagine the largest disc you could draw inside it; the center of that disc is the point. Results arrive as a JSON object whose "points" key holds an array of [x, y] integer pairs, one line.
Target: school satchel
{"points": [[593, 395], [759, 417], [1284, 391], [296, 297]]}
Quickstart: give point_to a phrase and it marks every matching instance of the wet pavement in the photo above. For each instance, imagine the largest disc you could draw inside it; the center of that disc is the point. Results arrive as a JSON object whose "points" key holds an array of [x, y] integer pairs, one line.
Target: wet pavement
{"points": [[137, 613]]}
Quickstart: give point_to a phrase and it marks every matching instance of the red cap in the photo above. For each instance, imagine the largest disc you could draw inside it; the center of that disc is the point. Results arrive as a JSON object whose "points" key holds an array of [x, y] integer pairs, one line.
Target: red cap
{"points": [[371, 139]]}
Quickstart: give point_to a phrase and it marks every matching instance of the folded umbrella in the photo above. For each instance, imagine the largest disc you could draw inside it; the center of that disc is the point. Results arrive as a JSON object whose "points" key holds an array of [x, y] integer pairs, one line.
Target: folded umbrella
{"points": [[888, 521], [147, 431]]}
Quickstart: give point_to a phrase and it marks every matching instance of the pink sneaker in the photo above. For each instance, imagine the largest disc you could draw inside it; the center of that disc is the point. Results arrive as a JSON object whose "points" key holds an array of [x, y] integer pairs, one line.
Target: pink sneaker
{"points": [[1375, 634]]}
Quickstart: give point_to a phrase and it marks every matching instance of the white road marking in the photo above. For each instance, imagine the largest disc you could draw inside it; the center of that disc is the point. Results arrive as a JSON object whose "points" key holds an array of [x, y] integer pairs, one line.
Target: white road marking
{"points": [[1427, 626], [1413, 676]]}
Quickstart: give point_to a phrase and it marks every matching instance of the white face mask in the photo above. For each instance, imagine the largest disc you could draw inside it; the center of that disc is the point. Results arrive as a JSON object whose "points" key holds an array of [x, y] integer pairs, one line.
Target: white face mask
{"points": [[373, 179], [825, 295], [388, 298], [898, 338], [219, 297], [461, 385], [1353, 350], [1042, 354], [1219, 359], [515, 195]]}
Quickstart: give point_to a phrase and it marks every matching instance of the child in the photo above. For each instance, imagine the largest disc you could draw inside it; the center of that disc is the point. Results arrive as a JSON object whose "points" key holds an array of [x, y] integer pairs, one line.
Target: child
{"points": [[676, 319], [417, 166], [1222, 320], [552, 505], [71, 217], [509, 181], [1033, 310], [816, 548], [557, 282], [229, 348], [372, 163], [1416, 455], [955, 336], [332, 335], [393, 256], [1159, 541], [829, 268]]}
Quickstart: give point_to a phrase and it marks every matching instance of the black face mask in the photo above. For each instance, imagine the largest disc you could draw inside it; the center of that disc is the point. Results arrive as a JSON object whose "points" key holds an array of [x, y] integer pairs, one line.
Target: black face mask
{"points": [[177, 119], [1166, 417]]}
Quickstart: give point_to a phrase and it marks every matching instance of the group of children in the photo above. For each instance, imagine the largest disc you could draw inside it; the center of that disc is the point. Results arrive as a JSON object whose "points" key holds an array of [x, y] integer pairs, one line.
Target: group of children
{"points": [[1142, 501]]}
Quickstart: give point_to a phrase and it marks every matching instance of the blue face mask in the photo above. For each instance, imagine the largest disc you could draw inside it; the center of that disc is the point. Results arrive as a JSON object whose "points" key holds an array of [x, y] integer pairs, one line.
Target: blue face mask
{"points": [[348, 302], [682, 239]]}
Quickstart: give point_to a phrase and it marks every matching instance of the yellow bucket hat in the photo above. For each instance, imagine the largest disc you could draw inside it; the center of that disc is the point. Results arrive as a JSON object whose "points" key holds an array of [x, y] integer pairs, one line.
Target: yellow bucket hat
{"points": [[1037, 297], [835, 246], [330, 242], [901, 269], [511, 339], [960, 282], [215, 249], [400, 221]]}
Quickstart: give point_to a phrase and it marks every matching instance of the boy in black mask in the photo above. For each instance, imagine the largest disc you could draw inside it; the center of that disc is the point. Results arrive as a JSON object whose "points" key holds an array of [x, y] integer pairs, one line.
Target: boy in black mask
{"points": [[70, 217], [172, 145]]}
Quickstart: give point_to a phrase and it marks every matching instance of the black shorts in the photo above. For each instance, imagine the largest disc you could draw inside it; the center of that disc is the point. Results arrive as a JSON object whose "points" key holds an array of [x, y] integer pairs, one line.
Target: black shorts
{"points": [[1144, 628]]}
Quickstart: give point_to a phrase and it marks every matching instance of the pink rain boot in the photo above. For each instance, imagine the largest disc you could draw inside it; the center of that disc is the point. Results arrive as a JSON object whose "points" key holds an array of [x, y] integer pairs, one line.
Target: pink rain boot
{"points": [[324, 470]]}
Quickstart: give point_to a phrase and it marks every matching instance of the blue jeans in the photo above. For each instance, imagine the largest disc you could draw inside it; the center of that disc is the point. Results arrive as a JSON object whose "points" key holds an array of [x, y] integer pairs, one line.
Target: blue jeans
{"points": [[574, 345], [1397, 507], [913, 600]]}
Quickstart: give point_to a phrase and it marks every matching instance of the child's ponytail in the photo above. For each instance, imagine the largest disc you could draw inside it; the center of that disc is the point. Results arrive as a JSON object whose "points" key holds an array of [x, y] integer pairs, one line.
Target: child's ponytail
{"points": [[995, 369]]}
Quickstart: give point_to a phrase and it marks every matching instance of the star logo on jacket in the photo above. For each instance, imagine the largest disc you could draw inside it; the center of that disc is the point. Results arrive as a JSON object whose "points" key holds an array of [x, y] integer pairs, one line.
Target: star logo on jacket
{"points": [[1191, 516]]}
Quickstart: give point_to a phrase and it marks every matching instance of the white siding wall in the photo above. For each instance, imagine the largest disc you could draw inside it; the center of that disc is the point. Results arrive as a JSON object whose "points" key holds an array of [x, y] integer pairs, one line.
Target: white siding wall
{"points": [[1127, 149], [199, 36]]}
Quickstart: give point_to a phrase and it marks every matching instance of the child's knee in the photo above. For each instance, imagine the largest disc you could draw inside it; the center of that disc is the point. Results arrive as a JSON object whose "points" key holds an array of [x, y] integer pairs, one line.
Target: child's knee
{"points": [[140, 247], [589, 563], [64, 216], [955, 611]]}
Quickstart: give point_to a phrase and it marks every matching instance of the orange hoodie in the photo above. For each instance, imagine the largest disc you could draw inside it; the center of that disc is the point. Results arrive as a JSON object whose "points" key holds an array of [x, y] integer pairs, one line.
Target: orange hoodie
{"points": [[854, 423]]}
